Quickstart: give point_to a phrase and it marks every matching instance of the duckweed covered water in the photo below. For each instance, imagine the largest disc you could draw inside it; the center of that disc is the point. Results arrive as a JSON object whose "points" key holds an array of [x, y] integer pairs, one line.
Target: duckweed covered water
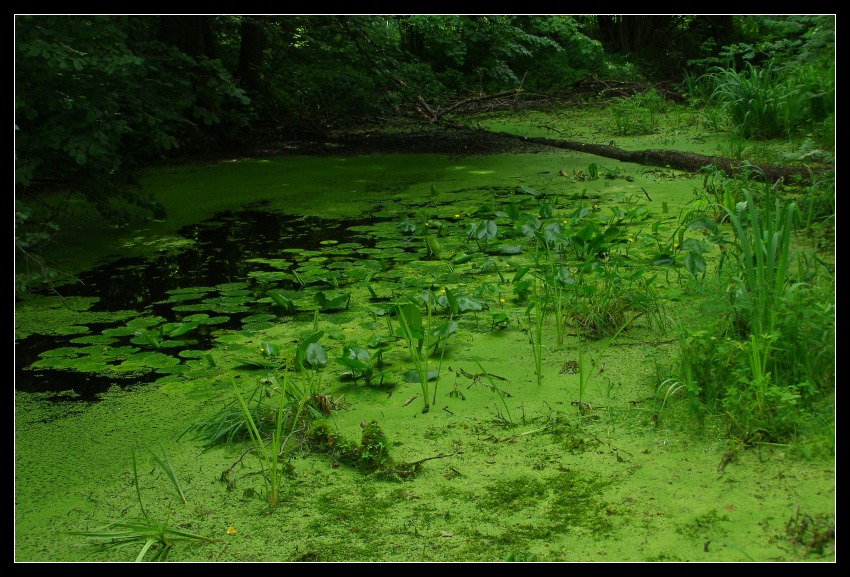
{"points": [[575, 464]]}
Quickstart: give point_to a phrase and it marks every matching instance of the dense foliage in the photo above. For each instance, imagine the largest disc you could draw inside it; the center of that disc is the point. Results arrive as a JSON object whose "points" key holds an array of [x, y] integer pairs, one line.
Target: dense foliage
{"points": [[97, 97]]}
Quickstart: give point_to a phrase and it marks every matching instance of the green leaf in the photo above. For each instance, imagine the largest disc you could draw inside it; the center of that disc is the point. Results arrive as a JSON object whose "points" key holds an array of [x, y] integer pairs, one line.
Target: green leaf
{"points": [[269, 349], [283, 302], [316, 356]]}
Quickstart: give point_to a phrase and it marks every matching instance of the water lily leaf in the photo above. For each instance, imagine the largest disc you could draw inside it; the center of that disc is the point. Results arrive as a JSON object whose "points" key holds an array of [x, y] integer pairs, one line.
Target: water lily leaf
{"points": [[451, 299], [444, 330], [358, 353], [258, 326], [694, 263], [152, 360], [563, 277], [231, 286], [193, 307], [269, 349], [465, 303], [414, 376], [145, 322], [230, 300], [336, 303], [487, 230], [243, 362], [169, 344], [231, 310], [412, 317], [62, 352], [509, 249], [112, 353], [282, 301], [278, 263], [93, 340], [264, 276], [315, 355], [434, 248], [357, 366], [188, 354], [145, 338], [407, 226], [377, 341], [177, 329], [186, 296], [118, 332], [461, 258], [520, 272], [235, 295], [191, 290]]}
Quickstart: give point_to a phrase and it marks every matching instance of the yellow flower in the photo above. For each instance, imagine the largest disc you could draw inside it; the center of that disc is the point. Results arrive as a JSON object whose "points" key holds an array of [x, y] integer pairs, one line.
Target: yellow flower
{"points": [[631, 239], [231, 531], [502, 300]]}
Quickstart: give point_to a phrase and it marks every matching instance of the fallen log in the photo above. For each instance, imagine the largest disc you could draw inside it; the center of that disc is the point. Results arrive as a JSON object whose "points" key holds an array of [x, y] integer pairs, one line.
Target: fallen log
{"points": [[687, 161]]}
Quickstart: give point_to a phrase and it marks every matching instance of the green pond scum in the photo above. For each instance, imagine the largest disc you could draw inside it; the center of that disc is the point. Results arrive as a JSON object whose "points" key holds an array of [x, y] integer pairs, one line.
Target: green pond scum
{"points": [[481, 364]]}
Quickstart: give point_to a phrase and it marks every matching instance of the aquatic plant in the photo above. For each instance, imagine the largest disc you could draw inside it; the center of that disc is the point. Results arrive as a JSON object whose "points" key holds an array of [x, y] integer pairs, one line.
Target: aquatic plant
{"points": [[411, 330], [271, 457], [155, 537], [360, 363]]}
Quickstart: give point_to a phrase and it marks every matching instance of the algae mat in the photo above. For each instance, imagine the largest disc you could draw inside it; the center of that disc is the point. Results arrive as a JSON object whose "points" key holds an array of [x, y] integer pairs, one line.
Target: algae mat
{"points": [[536, 446]]}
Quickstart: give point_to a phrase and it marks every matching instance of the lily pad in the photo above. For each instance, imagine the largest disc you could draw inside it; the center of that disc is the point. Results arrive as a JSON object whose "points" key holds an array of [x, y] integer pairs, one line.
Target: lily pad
{"points": [[414, 376]]}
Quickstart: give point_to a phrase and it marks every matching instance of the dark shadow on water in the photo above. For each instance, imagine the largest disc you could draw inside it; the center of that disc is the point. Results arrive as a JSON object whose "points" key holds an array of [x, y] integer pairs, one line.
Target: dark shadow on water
{"points": [[218, 252]]}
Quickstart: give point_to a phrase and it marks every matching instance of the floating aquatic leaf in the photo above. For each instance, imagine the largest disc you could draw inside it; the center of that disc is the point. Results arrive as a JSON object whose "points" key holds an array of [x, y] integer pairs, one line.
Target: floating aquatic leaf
{"points": [[172, 330], [337, 303], [69, 330], [186, 296], [62, 352], [169, 344], [237, 296], [154, 360], [211, 320], [145, 322], [194, 307], [269, 349], [119, 332], [145, 338], [173, 369], [243, 362], [509, 249], [93, 340], [259, 326], [231, 309], [189, 290], [272, 262], [315, 355], [189, 354], [270, 276], [258, 319], [282, 301], [231, 286], [466, 303], [486, 230], [414, 376]]}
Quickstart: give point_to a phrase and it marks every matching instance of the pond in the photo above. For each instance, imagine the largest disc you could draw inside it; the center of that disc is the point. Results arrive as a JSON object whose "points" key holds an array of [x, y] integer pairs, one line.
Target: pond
{"points": [[466, 351]]}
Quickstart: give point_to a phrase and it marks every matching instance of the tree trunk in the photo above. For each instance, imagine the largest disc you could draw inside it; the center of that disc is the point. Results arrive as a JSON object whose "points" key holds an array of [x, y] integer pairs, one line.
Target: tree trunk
{"points": [[252, 42], [687, 161]]}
